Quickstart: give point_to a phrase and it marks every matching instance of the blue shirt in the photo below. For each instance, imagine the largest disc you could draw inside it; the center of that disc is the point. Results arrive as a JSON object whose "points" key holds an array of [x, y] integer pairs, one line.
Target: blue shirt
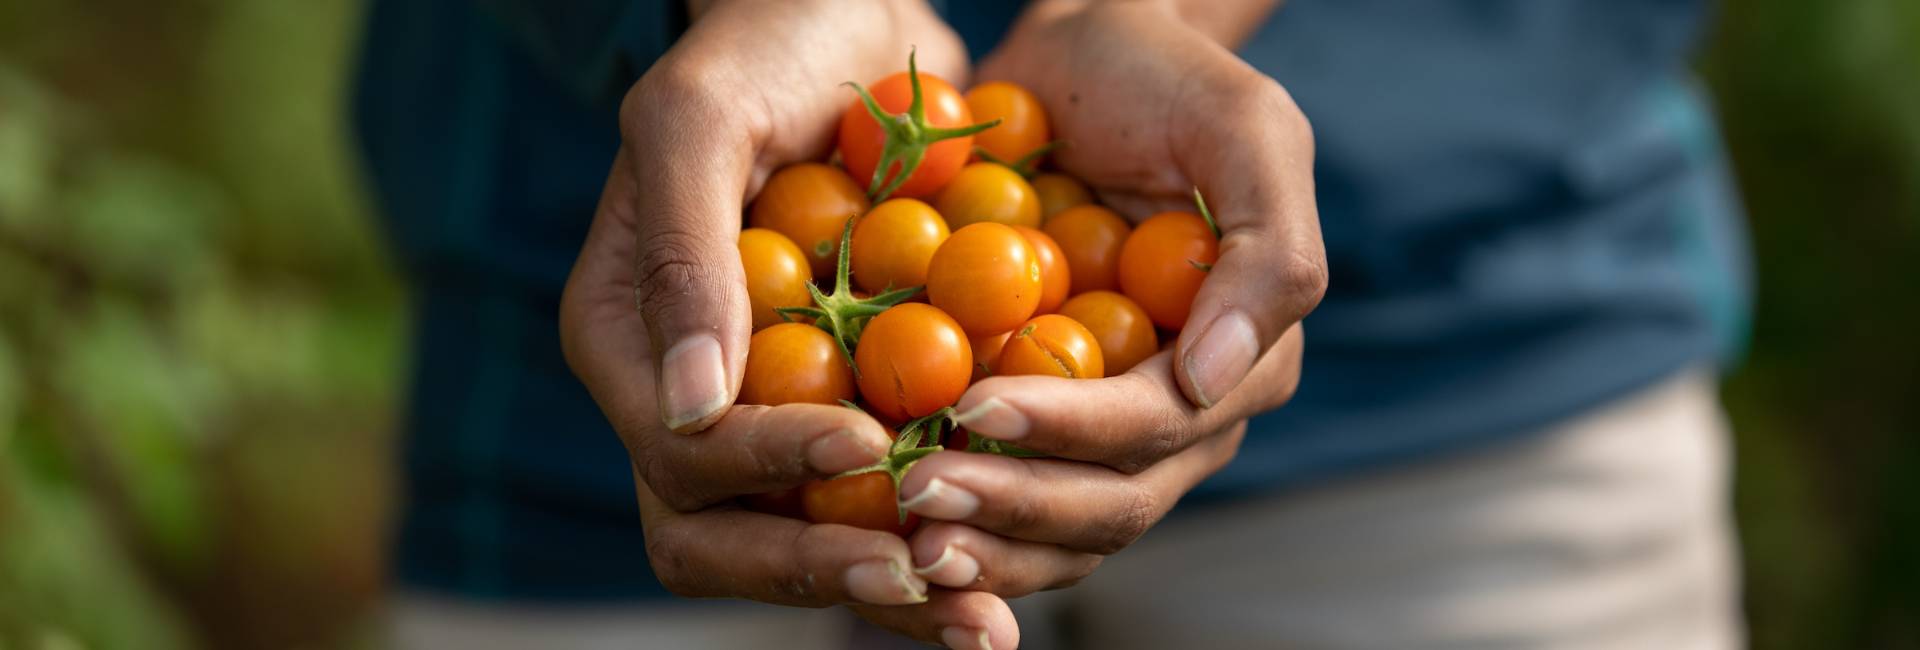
{"points": [[1525, 207]]}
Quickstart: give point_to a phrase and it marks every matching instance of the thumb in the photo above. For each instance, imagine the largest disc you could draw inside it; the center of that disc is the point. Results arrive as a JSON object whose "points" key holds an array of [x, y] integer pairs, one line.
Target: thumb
{"points": [[690, 171]]}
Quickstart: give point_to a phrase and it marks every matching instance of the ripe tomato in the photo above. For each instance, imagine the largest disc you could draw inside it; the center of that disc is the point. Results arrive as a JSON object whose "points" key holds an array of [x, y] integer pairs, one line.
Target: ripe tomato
{"points": [[1023, 121], [810, 204], [987, 192], [894, 243], [1055, 278], [987, 277], [1090, 238], [785, 502], [862, 500], [986, 353], [1161, 265], [1055, 346], [1123, 329], [862, 139], [777, 275], [913, 359], [794, 363], [1058, 192]]}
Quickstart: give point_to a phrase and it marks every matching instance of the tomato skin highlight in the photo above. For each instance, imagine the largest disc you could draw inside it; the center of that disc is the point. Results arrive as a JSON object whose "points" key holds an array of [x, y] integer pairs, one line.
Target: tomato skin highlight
{"points": [[862, 139], [1054, 346], [1023, 120], [986, 353], [894, 243], [1122, 328], [914, 360], [777, 275], [987, 192], [810, 203], [862, 501], [1090, 239], [1056, 280], [1058, 192], [792, 363], [987, 277], [1158, 265]]}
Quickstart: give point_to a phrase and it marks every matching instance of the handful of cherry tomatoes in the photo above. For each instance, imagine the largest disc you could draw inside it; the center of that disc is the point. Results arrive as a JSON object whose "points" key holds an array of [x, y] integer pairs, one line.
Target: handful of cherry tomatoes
{"points": [[952, 265]]}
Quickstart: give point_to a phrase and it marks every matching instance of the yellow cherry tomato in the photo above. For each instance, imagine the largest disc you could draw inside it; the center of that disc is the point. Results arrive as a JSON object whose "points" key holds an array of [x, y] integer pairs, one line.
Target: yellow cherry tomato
{"points": [[1023, 122], [988, 193], [1059, 192], [777, 274]]}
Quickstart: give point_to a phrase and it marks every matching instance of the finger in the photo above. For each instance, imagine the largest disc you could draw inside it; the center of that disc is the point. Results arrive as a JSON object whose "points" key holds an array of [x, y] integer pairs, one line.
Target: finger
{"points": [[1081, 506], [754, 449], [733, 553], [1256, 172], [966, 620], [963, 557], [690, 166], [1128, 422]]}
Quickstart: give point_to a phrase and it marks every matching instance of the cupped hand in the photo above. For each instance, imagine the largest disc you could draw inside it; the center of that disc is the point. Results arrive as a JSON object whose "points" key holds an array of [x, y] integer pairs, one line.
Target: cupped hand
{"points": [[1150, 110], [655, 318]]}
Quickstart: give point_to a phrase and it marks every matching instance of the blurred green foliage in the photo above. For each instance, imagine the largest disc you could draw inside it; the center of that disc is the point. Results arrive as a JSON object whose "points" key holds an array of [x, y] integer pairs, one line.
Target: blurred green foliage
{"points": [[201, 335]]}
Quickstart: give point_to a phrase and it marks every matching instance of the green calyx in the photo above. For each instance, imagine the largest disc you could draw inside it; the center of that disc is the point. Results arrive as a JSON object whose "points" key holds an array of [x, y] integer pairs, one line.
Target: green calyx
{"points": [[1201, 202], [921, 438], [1028, 165], [908, 136], [841, 313]]}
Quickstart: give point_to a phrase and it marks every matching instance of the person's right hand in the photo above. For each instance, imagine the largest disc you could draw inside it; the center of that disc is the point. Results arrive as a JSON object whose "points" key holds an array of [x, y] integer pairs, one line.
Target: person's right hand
{"points": [[655, 319]]}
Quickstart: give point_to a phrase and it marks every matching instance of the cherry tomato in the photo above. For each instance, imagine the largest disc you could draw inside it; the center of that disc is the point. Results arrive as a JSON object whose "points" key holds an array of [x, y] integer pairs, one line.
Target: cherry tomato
{"points": [[862, 500], [986, 192], [1090, 238], [986, 353], [1164, 262], [785, 503], [1023, 122], [894, 243], [987, 277], [862, 139], [1123, 329], [794, 363], [810, 203], [1058, 192], [1055, 346], [1055, 278], [914, 360], [777, 275]]}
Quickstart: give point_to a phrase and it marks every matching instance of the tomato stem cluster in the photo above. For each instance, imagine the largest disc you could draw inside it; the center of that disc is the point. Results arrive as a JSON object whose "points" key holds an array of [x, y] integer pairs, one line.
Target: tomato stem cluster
{"points": [[922, 437], [842, 313], [1201, 202], [908, 136]]}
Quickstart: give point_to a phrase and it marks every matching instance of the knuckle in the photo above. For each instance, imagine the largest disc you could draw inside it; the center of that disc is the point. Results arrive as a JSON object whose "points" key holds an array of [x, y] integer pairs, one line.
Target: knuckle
{"points": [[667, 271], [664, 476], [1079, 571], [672, 91], [1303, 276], [1136, 512], [666, 553]]}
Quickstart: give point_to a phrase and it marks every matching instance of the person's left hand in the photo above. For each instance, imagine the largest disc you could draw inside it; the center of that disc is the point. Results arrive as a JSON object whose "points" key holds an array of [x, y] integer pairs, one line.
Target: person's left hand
{"points": [[1150, 110]]}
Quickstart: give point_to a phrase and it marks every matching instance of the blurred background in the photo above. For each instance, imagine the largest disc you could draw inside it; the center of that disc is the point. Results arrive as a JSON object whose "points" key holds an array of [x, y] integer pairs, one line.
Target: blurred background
{"points": [[202, 335]]}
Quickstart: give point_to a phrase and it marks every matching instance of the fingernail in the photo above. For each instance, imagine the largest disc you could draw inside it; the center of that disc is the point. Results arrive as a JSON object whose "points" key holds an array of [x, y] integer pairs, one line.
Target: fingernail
{"points": [[882, 582], [840, 451], [995, 419], [963, 638], [942, 500], [954, 568], [693, 381], [1221, 357]]}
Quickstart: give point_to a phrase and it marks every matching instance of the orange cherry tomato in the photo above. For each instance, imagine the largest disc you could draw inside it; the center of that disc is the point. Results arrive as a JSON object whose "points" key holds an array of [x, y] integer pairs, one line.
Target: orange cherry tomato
{"points": [[777, 275], [1055, 346], [793, 363], [810, 203], [862, 500], [987, 277], [1123, 329], [894, 243], [1058, 192], [1161, 265], [914, 360], [1055, 278], [1090, 238], [784, 502], [861, 138], [986, 353], [986, 192], [1023, 121]]}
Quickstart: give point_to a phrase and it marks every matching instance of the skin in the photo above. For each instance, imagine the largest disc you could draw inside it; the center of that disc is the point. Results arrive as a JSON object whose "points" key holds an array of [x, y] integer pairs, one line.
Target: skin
{"points": [[988, 193], [1090, 238], [987, 277], [1056, 280], [1163, 264], [655, 319], [1023, 121], [861, 138], [894, 244], [862, 501], [810, 204], [1052, 346], [1058, 192], [1122, 328], [777, 275], [914, 360], [791, 363]]}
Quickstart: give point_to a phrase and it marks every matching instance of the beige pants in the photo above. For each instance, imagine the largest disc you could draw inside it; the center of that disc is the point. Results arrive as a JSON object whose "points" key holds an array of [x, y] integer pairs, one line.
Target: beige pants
{"points": [[1608, 531]]}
